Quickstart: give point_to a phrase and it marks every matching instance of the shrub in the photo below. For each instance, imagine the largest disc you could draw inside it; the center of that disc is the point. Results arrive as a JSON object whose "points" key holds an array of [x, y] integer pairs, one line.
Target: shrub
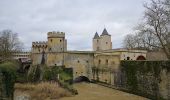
{"points": [[42, 91], [8, 70]]}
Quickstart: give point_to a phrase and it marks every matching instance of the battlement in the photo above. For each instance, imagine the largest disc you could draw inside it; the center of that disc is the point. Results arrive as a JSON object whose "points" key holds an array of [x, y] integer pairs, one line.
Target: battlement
{"points": [[56, 34], [39, 44]]}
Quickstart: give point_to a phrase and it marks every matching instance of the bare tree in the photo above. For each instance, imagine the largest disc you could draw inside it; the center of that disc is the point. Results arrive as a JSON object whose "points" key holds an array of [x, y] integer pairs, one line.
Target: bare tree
{"points": [[154, 32], [148, 40], [9, 43], [138, 41], [129, 42], [157, 22]]}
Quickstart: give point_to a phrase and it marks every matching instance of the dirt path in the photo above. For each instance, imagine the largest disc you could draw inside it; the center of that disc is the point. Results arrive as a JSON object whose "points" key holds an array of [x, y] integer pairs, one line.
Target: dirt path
{"points": [[89, 91]]}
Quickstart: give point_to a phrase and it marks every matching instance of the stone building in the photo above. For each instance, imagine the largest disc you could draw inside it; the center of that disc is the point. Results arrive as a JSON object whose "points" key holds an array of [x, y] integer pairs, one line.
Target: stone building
{"points": [[102, 42], [21, 55], [55, 52]]}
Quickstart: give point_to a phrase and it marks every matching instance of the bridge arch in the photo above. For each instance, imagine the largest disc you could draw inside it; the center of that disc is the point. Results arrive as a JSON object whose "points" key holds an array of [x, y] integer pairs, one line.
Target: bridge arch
{"points": [[81, 79], [141, 58]]}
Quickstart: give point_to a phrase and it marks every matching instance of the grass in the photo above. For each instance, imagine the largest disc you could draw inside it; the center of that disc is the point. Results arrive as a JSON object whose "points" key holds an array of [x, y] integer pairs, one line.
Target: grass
{"points": [[42, 91]]}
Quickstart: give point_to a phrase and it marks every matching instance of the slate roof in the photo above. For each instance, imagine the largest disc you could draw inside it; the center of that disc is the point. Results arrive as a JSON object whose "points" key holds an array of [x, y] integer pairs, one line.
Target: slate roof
{"points": [[105, 32], [96, 36]]}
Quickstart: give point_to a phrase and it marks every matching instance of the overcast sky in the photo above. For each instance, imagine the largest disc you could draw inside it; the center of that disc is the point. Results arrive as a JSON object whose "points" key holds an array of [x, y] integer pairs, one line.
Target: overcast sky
{"points": [[79, 19]]}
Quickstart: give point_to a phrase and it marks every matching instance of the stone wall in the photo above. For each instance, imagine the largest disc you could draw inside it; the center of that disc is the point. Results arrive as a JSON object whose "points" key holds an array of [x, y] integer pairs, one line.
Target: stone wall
{"points": [[146, 78], [104, 67], [80, 62], [157, 55]]}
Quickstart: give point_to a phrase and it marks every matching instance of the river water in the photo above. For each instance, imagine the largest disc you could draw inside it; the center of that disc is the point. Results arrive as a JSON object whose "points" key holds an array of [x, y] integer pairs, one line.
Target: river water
{"points": [[90, 91]]}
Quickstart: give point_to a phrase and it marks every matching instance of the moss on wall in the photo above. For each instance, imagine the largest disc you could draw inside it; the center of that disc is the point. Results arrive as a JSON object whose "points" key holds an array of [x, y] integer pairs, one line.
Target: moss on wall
{"points": [[144, 77]]}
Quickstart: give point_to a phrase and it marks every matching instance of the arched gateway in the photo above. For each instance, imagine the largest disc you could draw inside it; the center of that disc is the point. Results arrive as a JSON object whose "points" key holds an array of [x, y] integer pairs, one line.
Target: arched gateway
{"points": [[81, 79]]}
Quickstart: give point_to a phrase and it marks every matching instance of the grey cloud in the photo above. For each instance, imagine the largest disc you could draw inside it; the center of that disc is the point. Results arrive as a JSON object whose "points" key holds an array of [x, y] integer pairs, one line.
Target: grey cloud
{"points": [[79, 19]]}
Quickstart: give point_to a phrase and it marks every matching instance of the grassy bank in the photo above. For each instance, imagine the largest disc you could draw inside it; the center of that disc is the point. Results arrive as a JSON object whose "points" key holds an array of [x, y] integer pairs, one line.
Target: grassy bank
{"points": [[41, 91]]}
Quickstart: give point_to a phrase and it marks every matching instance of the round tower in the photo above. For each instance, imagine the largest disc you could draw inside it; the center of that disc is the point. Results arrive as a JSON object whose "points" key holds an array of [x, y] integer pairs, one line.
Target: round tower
{"points": [[105, 40], [96, 42]]}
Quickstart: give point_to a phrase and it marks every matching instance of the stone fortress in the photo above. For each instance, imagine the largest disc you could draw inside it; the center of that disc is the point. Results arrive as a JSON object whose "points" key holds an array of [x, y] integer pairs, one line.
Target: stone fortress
{"points": [[54, 52]]}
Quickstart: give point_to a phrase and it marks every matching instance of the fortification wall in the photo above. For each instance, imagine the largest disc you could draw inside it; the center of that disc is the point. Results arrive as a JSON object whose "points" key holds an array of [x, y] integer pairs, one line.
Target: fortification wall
{"points": [[81, 64], [37, 58], [54, 58], [104, 64], [146, 78], [157, 55]]}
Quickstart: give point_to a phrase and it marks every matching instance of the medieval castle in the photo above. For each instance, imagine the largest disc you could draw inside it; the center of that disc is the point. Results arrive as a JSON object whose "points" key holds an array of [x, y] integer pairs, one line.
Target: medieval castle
{"points": [[54, 52]]}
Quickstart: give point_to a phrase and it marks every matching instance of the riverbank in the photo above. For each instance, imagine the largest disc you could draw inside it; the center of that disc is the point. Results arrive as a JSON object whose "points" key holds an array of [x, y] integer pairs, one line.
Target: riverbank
{"points": [[40, 91], [90, 91]]}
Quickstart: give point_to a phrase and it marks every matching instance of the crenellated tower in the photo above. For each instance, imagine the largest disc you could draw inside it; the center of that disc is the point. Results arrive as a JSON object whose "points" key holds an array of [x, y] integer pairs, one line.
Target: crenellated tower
{"points": [[39, 47], [57, 42]]}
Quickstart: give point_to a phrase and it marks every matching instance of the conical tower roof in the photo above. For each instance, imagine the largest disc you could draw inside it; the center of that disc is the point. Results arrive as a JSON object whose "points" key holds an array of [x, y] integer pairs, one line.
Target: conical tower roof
{"points": [[96, 36], [105, 32]]}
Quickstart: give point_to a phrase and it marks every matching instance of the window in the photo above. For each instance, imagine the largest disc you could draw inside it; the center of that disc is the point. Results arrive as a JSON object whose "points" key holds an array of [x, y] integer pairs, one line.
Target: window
{"points": [[49, 49], [87, 61], [107, 61], [61, 48], [60, 40], [76, 72], [106, 42], [78, 61], [51, 40], [99, 61], [97, 41], [128, 58]]}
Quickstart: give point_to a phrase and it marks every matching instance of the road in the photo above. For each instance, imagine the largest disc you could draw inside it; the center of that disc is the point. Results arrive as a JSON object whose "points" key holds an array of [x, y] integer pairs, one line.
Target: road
{"points": [[90, 91]]}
